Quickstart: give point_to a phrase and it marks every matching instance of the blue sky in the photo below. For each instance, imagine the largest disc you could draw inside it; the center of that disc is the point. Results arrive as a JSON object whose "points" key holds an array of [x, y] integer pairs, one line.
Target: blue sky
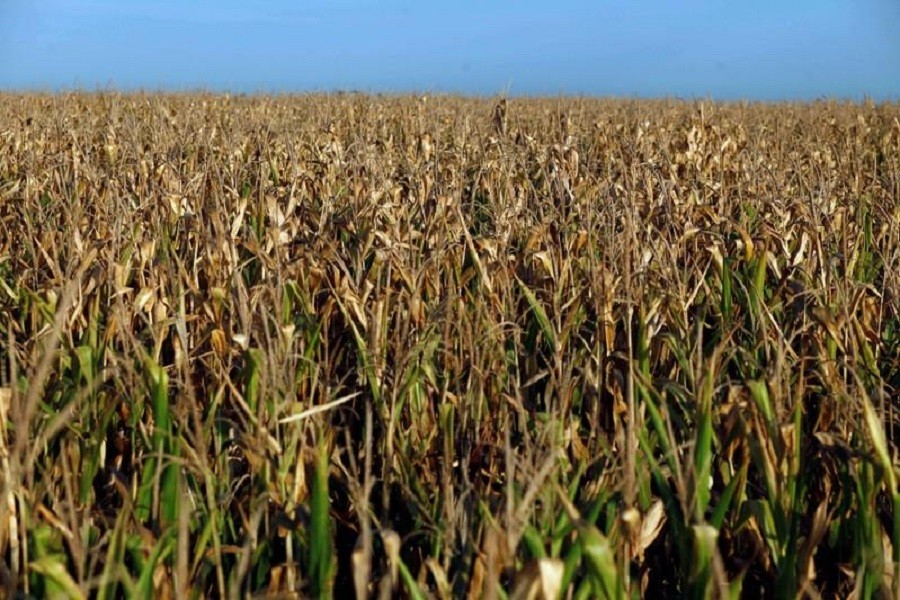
{"points": [[724, 49]]}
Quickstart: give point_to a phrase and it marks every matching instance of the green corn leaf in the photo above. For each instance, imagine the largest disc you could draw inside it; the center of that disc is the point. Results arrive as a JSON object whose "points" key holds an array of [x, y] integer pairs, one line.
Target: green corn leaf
{"points": [[412, 588], [254, 358], [704, 548], [534, 541], [759, 391], [727, 297], [540, 314], [163, 548], [601, 561], [703, 458], [879, 442], [60, 583], [718, 516], [160, 440], [321, 550]]}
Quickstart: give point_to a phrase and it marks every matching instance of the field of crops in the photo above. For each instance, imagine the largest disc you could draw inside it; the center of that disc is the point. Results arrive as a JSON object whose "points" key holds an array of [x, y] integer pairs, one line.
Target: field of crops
{"points": [[450, 348]]}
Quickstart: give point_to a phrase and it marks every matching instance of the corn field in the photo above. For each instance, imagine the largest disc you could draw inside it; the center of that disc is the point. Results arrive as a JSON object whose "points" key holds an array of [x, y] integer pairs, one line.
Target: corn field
{"points": [[348, 345]]}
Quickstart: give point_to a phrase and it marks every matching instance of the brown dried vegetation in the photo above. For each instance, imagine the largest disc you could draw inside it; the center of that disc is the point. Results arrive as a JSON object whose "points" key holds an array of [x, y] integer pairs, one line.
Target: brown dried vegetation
{"points": [[448, 348]]}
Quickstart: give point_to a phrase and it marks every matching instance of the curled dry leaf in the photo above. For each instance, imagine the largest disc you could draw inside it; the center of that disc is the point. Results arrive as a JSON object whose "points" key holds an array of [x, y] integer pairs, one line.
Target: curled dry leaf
{"points": [[539, 579]]}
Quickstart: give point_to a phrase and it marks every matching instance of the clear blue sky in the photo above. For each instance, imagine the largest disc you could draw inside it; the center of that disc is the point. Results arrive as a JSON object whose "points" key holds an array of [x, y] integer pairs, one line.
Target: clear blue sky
{"points": [[800, 49]]}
